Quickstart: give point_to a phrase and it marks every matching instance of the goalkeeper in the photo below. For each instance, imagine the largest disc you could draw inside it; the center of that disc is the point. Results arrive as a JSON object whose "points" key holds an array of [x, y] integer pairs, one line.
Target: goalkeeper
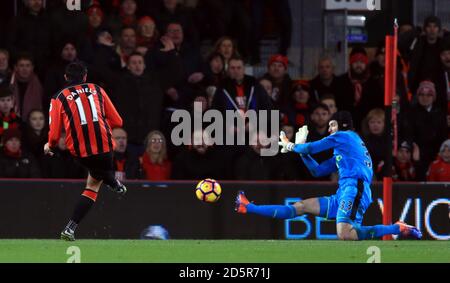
{"points": [[352, 161]]}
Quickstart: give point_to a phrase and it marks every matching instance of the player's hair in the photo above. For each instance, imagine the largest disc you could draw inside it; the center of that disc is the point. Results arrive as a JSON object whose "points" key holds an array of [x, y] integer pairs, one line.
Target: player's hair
{"points": [[162, 156], [344, 120], [75, 72]]}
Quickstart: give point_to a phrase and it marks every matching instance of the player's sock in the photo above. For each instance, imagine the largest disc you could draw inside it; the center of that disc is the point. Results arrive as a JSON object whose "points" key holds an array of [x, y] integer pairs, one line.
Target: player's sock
{"points": [[377, 231], [72, 225], [273, 211], [87, 199]]}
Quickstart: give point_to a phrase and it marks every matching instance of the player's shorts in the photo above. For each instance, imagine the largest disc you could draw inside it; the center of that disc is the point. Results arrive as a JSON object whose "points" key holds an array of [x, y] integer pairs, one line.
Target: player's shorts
{"points": [[349, 204], [100, 167]]}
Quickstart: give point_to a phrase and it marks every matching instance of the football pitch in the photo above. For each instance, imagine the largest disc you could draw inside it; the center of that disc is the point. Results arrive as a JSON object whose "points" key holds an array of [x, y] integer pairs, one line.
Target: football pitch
{"points": [[222, 251]]}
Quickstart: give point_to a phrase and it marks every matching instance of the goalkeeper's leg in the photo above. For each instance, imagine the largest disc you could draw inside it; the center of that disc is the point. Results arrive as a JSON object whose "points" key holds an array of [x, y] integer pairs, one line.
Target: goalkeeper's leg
{"points": [[311, 206]]}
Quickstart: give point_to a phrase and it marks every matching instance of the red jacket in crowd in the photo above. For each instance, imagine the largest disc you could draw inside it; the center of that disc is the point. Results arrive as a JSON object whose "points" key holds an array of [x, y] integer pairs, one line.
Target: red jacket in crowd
{"points": [[439, 171]]}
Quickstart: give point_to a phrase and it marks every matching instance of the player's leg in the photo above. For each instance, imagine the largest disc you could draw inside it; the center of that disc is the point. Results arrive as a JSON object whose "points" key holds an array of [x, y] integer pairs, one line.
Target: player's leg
{"points": [[311, 206], [355, 231], [353, 204], [100, 169], [85, 203], [108, 176]]}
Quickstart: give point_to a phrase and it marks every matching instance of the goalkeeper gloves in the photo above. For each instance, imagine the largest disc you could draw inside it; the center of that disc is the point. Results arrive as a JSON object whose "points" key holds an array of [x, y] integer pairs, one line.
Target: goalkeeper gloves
{"points": [[301, 135], [300, 138], [285, 144]]}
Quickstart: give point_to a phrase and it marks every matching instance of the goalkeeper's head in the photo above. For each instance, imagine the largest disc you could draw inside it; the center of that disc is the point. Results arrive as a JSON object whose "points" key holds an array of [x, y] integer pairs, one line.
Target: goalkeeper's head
{"points": [[76, 73], [344, 121]]}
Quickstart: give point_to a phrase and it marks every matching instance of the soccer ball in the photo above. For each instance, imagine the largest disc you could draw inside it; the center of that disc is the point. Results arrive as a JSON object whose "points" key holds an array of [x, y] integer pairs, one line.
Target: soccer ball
{"points": [[208, 190]]}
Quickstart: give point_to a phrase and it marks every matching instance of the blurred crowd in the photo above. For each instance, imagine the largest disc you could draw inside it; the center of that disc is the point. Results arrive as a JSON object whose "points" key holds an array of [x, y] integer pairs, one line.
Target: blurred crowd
{"points": [[148, 57]]}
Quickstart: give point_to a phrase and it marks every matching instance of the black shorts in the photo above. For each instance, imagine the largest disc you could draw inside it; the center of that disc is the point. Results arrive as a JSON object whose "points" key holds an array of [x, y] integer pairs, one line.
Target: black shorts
{"points": [[100, 166]]}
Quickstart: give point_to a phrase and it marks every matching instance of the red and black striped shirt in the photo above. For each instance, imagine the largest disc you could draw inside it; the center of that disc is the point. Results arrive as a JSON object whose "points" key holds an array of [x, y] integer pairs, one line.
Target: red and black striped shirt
{"points": [[87, 116]]}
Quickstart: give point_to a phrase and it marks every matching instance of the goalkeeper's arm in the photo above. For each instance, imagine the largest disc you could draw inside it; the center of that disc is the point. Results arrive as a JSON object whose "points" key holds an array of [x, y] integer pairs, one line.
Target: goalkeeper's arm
{"points": [[319, 170]]}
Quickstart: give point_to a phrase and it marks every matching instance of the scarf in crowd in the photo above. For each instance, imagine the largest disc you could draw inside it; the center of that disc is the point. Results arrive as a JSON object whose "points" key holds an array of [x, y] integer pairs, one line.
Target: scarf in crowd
{"points": [[8, 122], [32, 97], [358, 86]]}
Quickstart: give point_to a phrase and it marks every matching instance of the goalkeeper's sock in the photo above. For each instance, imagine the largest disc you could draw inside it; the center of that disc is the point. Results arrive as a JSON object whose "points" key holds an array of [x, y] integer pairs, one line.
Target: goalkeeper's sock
{"points": [[87, 199], [377, 231], [273, 211]]}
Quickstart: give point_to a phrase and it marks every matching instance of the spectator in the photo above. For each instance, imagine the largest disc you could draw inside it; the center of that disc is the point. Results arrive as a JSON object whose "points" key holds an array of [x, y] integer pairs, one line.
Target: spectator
{"points": [[199, 161], [228, 48], [219, 18], [215, 73], [14, 161], [325, 82], [105, 59], [442, 81], [330, 102], [427, 126], [268, 87], [35, 134], [96, 24], [439, 170], [8, 118], [281, 81], [67, 24], [282, 12], [30, 32], [377, 66], [240, 93], [252, 165], [155, 164], [357, 92], [27, 88], [5, 71], [298, 111], [202, 100], [148, 36], [126, 165], [139, 97], [425, 61], [318, 129], [191, 63], [211, 19], [62, 165], [405, 163], [126, 18], [375, 139], [407, 39], [96, 18], [127, 45], [173, 12], [55, 80]]}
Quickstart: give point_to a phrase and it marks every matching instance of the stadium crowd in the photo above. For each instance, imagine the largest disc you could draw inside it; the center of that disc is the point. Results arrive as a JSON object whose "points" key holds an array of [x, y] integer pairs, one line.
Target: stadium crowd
{"points": [[147, 56]]}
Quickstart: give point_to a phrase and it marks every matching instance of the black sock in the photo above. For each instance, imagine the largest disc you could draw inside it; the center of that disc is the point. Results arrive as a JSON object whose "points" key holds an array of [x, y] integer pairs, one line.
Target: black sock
{"points": [[87, 199]]}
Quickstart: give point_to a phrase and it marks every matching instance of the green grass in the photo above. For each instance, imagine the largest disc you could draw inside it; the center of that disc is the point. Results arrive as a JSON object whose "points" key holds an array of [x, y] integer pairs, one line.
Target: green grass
{"points": [[225, 251]]}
